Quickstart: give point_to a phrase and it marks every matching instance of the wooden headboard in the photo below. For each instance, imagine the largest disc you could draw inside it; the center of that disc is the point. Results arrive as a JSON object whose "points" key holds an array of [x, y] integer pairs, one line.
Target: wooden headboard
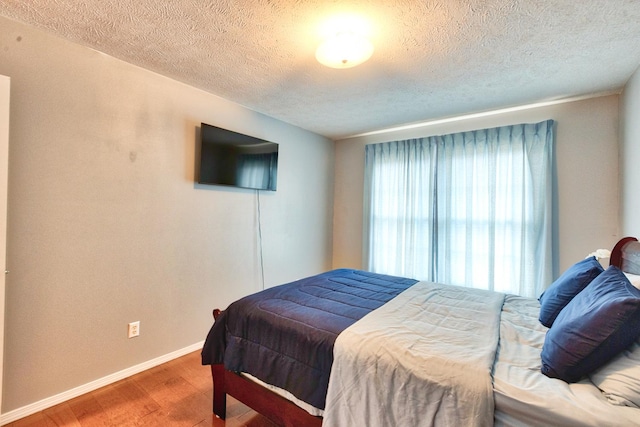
{"points": [[626, 255]]}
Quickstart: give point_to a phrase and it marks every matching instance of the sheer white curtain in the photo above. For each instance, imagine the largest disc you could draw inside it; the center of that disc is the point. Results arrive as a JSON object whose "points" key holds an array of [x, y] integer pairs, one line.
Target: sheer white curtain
{"points": [[471, 209]]}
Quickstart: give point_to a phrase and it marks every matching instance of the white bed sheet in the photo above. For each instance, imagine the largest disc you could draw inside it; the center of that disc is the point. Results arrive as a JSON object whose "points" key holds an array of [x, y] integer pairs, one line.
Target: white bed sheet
{"points": [[525, 397]]}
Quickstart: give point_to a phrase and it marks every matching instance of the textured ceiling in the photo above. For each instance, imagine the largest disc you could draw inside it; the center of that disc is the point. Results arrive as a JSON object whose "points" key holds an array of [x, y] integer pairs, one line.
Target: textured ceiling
{"points": [[432, 58]]}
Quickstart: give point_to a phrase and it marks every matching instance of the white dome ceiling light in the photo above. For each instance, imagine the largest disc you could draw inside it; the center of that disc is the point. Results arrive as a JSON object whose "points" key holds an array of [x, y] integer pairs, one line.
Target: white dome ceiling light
{"points": [[345, 49], [345, 41]]}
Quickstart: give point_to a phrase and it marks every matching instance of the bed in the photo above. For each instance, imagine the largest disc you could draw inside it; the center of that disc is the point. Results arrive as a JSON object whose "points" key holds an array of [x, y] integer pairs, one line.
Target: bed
{"points": [[349, 347]]}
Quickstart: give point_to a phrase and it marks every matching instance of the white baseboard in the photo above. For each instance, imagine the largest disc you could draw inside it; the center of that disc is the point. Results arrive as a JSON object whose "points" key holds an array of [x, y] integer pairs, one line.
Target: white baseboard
{"points": [[43, 404]]}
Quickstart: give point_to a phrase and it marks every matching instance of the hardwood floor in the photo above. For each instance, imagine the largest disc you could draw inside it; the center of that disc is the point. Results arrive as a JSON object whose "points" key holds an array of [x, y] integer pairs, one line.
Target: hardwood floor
{"points": [[177, 393]]}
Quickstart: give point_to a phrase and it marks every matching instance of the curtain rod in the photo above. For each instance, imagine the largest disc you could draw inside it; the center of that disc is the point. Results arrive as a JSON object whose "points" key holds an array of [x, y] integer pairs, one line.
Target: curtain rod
{"points": [[481, 114]]}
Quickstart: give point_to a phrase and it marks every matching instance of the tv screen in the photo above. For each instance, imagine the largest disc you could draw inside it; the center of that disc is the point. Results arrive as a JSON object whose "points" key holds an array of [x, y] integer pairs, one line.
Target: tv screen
{"points": [[233, 159]]}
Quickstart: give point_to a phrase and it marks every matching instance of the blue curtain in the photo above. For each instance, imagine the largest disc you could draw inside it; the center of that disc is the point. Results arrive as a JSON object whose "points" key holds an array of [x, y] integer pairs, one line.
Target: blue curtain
{"points": [[471, 209]]}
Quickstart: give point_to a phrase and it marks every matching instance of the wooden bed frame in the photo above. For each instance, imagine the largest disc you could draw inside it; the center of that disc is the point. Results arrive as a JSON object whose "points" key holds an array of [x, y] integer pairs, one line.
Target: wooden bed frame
{"points": [[625, 255], [273, 406]]}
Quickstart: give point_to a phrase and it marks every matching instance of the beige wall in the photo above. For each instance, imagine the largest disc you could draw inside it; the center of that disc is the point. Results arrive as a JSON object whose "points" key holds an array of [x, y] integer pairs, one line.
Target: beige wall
{"points": [[630, 158], [106, 225], [587, 157]]}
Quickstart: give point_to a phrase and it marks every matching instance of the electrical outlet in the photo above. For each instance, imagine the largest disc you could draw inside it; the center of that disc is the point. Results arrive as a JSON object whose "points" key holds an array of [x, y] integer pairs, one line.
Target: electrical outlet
{"points": [[134, 329]]}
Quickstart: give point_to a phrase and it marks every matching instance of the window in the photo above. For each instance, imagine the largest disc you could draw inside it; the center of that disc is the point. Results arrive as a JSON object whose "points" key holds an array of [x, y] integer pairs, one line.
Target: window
{"points": [[471, 209]]}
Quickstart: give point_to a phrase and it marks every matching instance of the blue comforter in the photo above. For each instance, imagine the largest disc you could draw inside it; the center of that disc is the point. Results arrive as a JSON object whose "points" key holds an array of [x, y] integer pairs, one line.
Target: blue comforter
{"points": [[284, 335]]}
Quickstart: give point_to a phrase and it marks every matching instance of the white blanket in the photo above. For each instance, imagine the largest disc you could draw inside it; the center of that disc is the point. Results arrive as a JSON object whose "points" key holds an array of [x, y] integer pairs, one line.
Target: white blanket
{"points": [[423, 358]]}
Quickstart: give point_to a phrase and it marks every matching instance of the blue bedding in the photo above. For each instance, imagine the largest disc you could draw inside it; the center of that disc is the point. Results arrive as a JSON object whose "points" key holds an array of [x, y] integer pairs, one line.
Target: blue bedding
{"points": [[284, 335]]}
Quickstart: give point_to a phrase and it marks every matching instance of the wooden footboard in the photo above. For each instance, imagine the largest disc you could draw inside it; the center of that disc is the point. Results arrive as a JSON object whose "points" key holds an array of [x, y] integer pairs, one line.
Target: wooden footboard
{"points": [[273, 406], [262, 400]]}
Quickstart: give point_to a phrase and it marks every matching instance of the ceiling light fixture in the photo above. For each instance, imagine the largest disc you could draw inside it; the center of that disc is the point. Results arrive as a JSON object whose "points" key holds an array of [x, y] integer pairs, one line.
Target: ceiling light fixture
{"points": [[345, 49]]}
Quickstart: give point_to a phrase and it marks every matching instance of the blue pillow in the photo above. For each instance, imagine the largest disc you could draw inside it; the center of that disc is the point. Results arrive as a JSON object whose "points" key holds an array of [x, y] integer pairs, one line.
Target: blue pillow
{"points": [[567, 286], [600, 322]]}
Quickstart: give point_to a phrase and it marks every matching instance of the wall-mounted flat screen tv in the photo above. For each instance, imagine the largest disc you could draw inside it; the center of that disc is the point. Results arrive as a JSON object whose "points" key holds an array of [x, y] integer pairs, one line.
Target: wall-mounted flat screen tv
{"points": [[233, 159]]}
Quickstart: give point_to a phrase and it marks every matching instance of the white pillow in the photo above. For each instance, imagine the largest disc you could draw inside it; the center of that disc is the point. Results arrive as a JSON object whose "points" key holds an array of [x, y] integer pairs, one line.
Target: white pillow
{"points": [[619, 379], [634, 279]]}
